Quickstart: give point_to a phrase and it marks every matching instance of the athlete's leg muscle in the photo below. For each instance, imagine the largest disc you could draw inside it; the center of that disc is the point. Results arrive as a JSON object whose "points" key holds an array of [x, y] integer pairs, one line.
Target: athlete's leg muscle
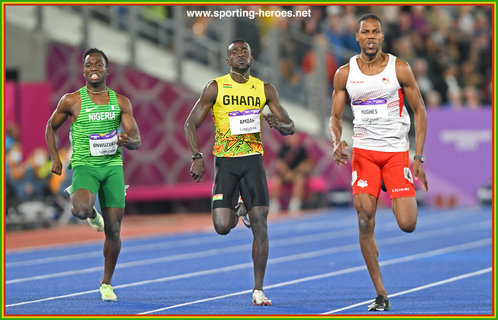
{"points": [[405, 211], [260, 246], [366, 206], [112, 243], [223, 220], [83, 201]]}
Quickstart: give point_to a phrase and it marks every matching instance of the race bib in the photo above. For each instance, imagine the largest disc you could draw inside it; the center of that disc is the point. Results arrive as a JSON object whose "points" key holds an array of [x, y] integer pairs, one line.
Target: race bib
{"points": [[104, 144], [247, 121], [370, 110]]}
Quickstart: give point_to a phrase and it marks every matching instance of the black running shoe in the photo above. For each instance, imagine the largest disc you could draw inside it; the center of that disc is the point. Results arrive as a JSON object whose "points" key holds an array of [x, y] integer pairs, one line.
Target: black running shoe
{"points": [[380, 303]]}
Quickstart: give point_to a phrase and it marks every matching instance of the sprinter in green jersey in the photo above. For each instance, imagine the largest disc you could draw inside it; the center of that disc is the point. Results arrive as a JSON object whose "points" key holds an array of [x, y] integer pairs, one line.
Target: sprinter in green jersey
{"points": [[97, 113]]}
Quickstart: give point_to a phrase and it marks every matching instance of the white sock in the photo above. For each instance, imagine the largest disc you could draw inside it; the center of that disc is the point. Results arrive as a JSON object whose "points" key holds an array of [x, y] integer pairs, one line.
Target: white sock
{"points": [[274, 206], [295, 204]]}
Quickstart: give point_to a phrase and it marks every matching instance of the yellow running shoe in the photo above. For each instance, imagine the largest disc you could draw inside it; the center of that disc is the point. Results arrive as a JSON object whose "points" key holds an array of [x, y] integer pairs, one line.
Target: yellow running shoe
{"points": [[96, 223], [107, 292]]}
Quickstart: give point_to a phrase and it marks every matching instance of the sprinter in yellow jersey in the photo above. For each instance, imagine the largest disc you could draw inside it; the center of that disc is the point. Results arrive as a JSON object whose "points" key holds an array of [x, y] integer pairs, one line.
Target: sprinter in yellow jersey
{"points": [[96, 113], [236, 101]]}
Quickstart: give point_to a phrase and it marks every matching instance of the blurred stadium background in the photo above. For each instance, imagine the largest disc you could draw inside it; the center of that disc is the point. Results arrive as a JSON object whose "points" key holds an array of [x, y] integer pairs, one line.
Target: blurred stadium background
{"points": [[161, 59]]}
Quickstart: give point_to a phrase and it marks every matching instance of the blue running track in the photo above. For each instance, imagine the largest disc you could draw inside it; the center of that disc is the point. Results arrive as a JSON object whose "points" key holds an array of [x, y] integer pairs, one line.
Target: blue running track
{"points": [[315, 267]]}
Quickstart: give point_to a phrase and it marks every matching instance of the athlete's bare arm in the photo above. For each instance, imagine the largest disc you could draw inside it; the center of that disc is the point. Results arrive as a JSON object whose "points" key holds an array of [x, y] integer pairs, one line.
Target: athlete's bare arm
{"points": [[339, 96], [69, 106], [194, 120], [278, 118], [130, 138], [412, 93]]}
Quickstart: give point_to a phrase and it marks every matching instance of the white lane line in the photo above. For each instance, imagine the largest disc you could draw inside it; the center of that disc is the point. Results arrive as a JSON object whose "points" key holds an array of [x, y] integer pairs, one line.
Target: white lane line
{"points": [[465, 246], [212, 238], [276, 243], [430, 285], [461, 247], [339, 224], [331, 222]]}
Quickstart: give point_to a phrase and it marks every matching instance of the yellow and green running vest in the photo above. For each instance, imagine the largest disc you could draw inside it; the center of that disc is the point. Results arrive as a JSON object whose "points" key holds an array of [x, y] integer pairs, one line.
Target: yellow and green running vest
{"points": [[237, 115], [94, 134]]}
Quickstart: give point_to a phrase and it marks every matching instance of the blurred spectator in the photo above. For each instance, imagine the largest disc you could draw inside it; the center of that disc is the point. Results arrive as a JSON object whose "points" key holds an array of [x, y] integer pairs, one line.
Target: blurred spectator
{"points": [[433, 100], [420, 71], [449, 45], [471, 97], [27, 188], [418, 20], [11, 135], [403, 46], [334, 31], [348, 34], [15, 171], [310, 64], [453, 41], [38, 172], [455, 99], [450, 80], [293, 168]]}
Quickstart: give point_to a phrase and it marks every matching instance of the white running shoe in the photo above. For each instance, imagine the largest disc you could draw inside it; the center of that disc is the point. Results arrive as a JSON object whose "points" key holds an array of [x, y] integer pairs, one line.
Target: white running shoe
{"points": [[241, 211], [259, 298], [96, 223]]}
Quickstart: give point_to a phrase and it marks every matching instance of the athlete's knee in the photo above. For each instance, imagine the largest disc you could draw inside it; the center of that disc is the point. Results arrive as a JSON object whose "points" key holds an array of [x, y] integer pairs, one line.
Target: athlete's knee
{"points": [[407, 226], [366, 220], [222, 222], [406, 218], [222, 229], [113, 230], [81, 211], [365, 225], [259, 216]]}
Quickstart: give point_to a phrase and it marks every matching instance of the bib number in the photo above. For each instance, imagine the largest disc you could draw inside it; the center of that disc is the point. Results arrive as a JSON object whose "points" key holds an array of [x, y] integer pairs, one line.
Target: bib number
{"points": [[104, 144], [370, 110], [247, 121]]}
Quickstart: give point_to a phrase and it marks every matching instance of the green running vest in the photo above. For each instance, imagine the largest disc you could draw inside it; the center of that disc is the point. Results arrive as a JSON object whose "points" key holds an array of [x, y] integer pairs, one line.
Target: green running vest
{"points": [[94, 134]]}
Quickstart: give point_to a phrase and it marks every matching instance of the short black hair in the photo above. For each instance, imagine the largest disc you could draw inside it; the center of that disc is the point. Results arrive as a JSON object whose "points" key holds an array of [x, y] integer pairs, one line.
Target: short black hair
{"points": [[366, 17], [95, 50], [238, 40]]}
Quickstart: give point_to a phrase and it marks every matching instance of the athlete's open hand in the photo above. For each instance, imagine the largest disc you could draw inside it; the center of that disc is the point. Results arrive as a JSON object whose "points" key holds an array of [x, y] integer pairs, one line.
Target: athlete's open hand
{"points": [[419, 172], [272, 120], [341, 157], [197, 169]]}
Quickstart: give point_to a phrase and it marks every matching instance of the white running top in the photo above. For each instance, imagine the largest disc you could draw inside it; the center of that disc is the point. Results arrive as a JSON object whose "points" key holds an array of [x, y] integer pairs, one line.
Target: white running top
{"points": [[381, 121]]}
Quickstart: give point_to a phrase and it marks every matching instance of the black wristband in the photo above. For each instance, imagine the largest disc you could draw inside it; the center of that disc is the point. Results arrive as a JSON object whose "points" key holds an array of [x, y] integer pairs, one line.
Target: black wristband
{"points": [[421, 158], [196, 156]]}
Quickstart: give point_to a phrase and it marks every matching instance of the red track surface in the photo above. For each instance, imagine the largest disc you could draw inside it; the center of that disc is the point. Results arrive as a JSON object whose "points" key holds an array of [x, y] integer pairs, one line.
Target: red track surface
{"points": [[132, 226]]}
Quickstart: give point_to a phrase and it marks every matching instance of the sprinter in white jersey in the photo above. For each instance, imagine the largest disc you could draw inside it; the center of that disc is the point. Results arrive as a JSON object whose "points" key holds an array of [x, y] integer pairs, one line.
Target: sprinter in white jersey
{"points": [[377, 84]]}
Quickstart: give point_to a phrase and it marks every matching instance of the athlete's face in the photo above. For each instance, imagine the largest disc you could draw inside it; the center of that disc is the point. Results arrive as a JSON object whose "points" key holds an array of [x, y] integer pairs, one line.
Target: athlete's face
{"points": [[95, 69], [370, 36], [239, 56]]}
